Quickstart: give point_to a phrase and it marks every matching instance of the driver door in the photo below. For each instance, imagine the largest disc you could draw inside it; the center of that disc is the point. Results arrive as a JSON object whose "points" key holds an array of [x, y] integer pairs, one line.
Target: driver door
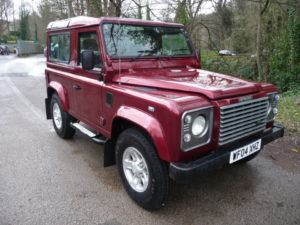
{"points": [[87, 88]]}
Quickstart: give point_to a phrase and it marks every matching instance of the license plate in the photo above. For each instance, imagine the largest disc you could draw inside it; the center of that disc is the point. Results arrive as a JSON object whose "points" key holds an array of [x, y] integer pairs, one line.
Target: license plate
{"points": [[245, 151]]}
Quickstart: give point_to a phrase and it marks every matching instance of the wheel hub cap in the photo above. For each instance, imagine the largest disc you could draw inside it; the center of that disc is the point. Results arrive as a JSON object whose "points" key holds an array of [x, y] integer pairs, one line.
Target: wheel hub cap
{"points": [[57, 116], [135, 169]]}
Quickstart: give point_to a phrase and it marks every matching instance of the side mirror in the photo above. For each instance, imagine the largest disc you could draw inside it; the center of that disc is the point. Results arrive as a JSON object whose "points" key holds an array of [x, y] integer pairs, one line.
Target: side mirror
{"points": [[87, 59]]}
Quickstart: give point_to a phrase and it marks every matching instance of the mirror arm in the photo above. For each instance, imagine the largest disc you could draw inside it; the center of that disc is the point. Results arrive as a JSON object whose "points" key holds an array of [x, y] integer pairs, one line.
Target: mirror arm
{"points": [[99, 74]]}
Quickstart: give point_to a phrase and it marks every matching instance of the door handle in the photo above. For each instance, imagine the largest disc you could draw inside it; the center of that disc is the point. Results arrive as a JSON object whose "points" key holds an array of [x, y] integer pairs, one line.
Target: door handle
{"points": [[77, 87]]}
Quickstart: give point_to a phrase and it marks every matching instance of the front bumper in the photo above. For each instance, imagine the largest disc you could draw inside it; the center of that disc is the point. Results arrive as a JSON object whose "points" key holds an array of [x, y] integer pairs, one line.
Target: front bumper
{"points": [[188, 171]]}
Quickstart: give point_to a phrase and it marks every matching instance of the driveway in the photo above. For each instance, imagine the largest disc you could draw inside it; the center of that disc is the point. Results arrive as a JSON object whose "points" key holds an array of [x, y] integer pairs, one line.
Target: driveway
{"points": [[47, 180]]}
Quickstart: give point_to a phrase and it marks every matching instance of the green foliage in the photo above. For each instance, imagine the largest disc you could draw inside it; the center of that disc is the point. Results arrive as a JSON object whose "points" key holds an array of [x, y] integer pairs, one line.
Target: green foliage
{"points": [[285, 60], [289, 112], [205, 53], [280, 42], [181, 13], [14, 34], [241, 36], [240, 66], [8, 37], [24, 23], [225, 15]]}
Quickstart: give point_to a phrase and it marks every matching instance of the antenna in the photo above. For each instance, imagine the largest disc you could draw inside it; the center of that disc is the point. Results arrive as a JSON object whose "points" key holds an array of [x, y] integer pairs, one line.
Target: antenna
{"points": [[119, 61]]}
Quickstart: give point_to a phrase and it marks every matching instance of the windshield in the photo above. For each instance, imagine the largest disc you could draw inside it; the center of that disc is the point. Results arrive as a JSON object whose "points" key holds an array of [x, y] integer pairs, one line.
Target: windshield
{"points": [[123, 40]]}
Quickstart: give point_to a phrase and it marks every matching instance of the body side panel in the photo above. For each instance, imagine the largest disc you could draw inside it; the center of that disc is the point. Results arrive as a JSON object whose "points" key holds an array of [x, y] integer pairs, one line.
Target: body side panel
{"points": [[149, 124]]}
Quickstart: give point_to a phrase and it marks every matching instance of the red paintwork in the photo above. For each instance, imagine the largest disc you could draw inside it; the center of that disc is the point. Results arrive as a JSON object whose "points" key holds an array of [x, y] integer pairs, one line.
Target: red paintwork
{"points": [[147, 81], [212, 85], [62, 94], [148, 123]]}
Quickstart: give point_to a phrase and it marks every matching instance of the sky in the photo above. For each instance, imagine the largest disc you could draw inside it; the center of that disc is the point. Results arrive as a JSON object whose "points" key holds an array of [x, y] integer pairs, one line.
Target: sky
{"points": [[31, 3], [155, 6]]}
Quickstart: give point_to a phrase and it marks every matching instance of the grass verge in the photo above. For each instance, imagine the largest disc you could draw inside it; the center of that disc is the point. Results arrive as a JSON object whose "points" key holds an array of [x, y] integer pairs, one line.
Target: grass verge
{"points": [[289, 114]]}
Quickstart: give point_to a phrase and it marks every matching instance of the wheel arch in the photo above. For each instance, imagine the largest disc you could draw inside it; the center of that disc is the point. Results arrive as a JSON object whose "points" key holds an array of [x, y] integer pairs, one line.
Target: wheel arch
{"points": [[58, 88], [127, 117]]}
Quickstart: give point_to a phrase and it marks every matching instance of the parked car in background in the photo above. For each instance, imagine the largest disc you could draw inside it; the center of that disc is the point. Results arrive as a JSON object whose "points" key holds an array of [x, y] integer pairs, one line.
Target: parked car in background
{"points": [[4, 50], [227, 53]]}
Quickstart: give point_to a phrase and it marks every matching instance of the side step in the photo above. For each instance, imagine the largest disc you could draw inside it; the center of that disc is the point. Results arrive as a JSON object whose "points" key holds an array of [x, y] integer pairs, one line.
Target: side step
{"points": [[98, 138]]}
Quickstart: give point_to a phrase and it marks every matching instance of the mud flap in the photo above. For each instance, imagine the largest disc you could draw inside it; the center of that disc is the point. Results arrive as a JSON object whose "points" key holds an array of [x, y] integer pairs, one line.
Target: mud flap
{"points": [[47, 106], [109, 153]]}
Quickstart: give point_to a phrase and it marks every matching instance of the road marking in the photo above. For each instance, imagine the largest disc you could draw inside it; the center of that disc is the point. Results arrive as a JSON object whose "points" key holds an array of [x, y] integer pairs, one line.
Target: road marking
{"points": [[37, 112]]}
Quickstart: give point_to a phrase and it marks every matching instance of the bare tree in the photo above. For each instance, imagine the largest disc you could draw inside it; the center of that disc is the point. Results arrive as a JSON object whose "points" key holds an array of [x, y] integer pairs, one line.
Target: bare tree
{"points": [[5, 9], [263, 5], [70, 8], [115, 8]]}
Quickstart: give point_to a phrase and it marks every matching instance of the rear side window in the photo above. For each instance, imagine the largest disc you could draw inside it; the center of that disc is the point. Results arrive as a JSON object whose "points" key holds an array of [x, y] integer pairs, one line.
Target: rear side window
{"points": [[60, 47], [88, 41]]}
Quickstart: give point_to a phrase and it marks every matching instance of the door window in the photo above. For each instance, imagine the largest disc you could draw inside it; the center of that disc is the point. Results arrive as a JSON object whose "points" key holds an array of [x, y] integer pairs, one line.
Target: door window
{"points": [[89, 41]]}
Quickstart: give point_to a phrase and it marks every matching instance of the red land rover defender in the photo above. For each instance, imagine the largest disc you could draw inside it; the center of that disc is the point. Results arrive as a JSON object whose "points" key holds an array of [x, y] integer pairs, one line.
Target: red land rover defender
{"points": [[137, 87]]}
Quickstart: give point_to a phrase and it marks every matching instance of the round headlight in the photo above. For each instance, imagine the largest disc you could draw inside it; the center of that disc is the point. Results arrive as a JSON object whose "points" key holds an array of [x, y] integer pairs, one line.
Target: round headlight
{"points": [[199, 125]]}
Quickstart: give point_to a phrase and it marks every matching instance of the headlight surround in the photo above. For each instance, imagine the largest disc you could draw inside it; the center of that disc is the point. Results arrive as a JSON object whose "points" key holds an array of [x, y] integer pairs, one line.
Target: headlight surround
{"points": [[196, 128], [273, 106], [269, 110]]}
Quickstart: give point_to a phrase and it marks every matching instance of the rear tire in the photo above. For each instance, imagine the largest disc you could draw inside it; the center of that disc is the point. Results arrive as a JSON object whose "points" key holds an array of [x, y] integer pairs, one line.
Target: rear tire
{"points": [[61, 119], [143, 174]]}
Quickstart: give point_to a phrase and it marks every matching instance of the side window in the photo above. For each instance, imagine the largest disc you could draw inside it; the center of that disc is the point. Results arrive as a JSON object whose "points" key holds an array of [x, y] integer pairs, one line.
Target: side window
{"points": [[89, 41], [60, 47]]}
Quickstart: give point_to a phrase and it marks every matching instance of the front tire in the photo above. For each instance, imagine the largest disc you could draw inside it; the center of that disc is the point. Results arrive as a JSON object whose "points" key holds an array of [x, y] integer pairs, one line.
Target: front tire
{"points": [[143, 174], [61, 119]]}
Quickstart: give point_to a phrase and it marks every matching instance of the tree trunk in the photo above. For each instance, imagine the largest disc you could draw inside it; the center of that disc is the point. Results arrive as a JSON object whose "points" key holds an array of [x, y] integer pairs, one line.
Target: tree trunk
{"points": [[70, 8], [88, 8], [14, 18], [258, 48], [111, 8], [261, 12], [105, 7], [139, 14], [118, 8], [81, 7]]}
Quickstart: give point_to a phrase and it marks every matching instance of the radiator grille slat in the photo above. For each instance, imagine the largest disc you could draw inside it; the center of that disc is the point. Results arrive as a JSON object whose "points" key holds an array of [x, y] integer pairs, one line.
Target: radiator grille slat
{"points": [[239, 121], [245, 112], [242, 119], [239, 135], [243, 116], [239, 126], [246, 107]]}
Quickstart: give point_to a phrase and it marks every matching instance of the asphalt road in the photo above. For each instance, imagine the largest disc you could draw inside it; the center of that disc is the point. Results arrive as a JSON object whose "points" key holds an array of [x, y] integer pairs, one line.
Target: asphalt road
{"points": [[47, 180]]}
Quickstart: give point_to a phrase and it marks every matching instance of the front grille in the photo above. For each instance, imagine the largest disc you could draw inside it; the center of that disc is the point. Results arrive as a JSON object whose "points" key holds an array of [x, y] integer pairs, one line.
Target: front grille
{"points": [[242, 119]]}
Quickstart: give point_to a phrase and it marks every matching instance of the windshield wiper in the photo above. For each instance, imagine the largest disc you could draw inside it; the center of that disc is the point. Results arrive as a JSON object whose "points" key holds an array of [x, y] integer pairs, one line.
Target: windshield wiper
{"points": [[179, 49], [141, 54]]}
